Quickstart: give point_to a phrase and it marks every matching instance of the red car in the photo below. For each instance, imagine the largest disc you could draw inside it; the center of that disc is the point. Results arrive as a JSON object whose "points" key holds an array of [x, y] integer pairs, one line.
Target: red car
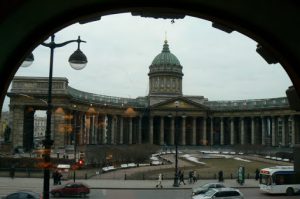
{"points": [[71, 189]]}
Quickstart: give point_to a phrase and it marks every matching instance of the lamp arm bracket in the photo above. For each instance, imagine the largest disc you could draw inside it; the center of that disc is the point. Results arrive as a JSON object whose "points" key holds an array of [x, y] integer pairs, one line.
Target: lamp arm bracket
{"points": [[55, 45]]}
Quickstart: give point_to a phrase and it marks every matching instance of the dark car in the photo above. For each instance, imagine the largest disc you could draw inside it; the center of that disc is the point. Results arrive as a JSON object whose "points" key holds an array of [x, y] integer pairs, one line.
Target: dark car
{"points": [[23, 195], [71, 189], [204, 188]]}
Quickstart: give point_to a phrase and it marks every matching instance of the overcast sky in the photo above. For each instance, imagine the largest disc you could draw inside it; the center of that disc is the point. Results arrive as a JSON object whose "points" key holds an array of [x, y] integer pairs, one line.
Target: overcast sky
{"points": [[120, 49]]}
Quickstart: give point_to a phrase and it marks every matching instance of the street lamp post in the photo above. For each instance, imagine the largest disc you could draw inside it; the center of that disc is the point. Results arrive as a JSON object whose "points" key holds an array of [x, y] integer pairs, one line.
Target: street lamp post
{"points": [[75, 147], [176, 177], [77, 61]]}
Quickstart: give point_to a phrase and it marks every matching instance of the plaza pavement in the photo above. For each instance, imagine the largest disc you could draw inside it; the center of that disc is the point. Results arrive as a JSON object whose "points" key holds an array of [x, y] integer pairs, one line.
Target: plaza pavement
{"points": [[37, 183]]}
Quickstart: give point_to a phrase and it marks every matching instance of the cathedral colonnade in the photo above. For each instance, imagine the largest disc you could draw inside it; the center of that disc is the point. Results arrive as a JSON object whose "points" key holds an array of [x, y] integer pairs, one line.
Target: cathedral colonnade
{"points": [[160, 130], [191, 130], [116, 129]]}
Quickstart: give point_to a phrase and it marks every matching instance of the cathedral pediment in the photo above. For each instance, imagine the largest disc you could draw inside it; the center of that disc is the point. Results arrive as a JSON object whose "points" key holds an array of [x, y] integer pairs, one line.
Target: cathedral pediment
{"points": [[180, 103]]}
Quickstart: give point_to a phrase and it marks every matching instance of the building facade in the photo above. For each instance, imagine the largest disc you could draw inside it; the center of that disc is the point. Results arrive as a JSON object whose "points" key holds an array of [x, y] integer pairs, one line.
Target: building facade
{"points": [[159, 118]]}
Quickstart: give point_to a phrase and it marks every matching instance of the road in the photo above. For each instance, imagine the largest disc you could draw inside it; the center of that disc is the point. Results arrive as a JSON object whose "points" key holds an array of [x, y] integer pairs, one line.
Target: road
{"points": [[251, 193]]}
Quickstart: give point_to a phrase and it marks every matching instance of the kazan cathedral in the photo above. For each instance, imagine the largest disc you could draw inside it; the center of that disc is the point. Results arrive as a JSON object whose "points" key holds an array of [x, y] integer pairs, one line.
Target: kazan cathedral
{"points": [[162, 118]]}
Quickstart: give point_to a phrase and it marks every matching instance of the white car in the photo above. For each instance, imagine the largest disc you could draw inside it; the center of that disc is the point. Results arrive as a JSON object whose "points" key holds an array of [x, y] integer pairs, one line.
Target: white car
{"points": [[221, 193], [204, 188]]}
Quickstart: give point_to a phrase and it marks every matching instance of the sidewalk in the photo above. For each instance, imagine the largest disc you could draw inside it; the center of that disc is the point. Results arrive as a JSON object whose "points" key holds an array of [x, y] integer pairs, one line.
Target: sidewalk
{"points": [[34, 183]]}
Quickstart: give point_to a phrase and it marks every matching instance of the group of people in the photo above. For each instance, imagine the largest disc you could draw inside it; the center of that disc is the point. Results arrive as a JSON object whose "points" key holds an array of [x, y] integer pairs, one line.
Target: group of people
{"points": [[192, 177], [56, 177]]}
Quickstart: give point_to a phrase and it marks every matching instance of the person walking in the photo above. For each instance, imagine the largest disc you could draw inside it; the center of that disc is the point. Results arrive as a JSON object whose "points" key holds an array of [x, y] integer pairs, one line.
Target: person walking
{"points": [[59, 176], [54, 176], [256, 174], [220, 174], [159, 183], [12, 171], [194, 177], [191, 173], [181, 177]]}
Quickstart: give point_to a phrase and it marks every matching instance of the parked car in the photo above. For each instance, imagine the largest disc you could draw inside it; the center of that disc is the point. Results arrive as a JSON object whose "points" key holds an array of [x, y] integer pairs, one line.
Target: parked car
{"points": [[204, 188], [220, 193], [71, 189], [23, 195]]}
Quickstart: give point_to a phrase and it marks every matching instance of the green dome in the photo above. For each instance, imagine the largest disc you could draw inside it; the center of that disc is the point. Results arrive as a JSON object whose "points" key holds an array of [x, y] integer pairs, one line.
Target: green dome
{"points": [[166, 57]]}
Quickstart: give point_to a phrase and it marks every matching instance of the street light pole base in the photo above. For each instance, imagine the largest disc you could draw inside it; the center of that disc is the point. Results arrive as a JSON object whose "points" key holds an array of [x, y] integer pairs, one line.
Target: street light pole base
{"points": [[176, 183]]}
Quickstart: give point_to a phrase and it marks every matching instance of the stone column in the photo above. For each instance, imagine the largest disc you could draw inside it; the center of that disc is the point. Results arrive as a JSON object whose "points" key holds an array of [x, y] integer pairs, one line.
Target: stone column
{"points": [[263, 131], [104, 135], [242, 131], [193, 141], [222, 131], [96, 129], [140, 131], [121, 130], [130, 131], [283, 132], [211, 131], [232, 131], [252, 130], [204, 137], [292, 130], [150, 130], [87, 124], [162, 128], [273, 131], [17, 119], [172, 131], [93, 129], [183, 132], [113, 124]]}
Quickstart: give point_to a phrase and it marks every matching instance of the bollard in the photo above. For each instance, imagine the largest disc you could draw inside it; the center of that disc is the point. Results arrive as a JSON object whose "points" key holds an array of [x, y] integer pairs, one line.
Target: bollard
{"points": [[143, 176], [85, 176], [125, 177], [231, 176], [215, 176], [248, 176]]}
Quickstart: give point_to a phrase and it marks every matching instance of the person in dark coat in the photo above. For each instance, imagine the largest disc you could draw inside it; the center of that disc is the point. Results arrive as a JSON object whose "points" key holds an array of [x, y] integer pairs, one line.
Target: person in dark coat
{"points": [[256, 174], [220, 176], [181, 177]]}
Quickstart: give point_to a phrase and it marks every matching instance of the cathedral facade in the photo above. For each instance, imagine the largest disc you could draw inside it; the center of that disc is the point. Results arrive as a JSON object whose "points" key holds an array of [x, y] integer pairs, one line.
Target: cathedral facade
{"points": [[163, 117]]}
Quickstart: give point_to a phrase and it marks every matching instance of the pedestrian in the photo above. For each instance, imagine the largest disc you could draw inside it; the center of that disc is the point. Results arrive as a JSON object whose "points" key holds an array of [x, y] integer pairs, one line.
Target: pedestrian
{"points": [[191, 177], [59, 176], [12, 171], [194, 176], [159, 182], [256, 174], [181, 177], [54, 176], [220, 176]]}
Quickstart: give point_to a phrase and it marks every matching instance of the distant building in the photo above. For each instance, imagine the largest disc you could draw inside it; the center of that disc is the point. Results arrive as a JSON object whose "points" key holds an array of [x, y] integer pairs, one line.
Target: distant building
{"points": [[39, 129], [162, 117]]}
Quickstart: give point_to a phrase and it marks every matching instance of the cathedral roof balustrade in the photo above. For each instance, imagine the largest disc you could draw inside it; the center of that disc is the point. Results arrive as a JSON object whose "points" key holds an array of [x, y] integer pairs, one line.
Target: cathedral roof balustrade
{"points": [[104, 99], [254, 104]]}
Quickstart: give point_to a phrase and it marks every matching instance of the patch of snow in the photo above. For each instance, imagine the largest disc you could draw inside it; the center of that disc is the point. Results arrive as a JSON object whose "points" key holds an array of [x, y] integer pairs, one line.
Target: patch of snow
{"points": [[192, 159], [241, 159]]}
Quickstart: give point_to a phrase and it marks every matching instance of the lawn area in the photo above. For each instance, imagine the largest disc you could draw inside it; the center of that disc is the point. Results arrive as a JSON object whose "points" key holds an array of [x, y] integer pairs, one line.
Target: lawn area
{"points": [[210, 170], [229, 167]]}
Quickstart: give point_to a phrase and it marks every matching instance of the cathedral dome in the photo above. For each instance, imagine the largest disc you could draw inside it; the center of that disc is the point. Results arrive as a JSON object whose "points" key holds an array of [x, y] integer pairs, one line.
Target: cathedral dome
{"points": [[165, 74], [166, 57]]}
